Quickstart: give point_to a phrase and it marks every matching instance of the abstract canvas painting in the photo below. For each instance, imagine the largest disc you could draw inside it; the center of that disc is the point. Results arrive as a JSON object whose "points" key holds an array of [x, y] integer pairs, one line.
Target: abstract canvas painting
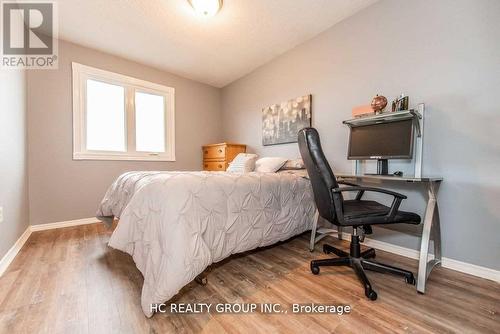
{"points": [[282, 122]]}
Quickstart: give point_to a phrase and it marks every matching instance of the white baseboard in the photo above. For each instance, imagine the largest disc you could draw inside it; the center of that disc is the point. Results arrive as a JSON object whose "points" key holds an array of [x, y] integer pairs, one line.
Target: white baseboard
{"points": [[463, 267], [50, 226], [385, 246], [471, 269], [14, 250]]}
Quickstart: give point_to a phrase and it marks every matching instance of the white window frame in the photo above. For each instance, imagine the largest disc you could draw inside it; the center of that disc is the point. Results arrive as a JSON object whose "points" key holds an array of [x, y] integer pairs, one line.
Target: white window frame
{"points": [[82, 73]]}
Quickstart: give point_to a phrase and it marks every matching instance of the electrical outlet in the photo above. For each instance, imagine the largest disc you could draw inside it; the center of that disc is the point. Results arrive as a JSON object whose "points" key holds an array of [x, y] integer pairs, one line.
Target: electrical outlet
{"points": [[1, 214]]}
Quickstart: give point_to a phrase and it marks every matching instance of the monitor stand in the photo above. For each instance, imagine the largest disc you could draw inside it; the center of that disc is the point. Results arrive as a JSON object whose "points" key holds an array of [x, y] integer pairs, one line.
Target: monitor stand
{"points": [[382, 168]]}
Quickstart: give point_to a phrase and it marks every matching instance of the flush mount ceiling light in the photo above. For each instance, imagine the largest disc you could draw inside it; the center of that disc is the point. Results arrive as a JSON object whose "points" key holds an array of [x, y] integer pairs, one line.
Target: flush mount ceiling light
{"points": [[206, 7]]}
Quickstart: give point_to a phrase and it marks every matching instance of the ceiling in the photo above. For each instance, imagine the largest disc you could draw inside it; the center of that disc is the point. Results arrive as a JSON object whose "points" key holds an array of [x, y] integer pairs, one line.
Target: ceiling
{"points": [[168, 35]]}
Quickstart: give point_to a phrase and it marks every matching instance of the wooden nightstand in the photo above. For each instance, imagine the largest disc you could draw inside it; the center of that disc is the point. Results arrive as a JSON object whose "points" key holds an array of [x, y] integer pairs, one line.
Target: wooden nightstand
{"points": [[216, 157]]}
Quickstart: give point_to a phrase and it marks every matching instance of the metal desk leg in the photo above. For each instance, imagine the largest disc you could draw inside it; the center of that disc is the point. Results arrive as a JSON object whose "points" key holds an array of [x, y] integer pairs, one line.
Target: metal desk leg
{"points": [[437, 234], [313, 231], [431, 225], [323, 232]]}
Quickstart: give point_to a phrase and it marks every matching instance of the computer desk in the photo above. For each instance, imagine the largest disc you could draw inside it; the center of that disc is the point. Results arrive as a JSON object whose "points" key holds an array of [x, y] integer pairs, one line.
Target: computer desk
{"points": [[431, 220]]}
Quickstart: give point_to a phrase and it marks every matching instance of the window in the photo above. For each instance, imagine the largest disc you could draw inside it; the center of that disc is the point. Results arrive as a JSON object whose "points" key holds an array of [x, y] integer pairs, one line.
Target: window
{"points": [[105, 117], [149, 122], [116, 117]]}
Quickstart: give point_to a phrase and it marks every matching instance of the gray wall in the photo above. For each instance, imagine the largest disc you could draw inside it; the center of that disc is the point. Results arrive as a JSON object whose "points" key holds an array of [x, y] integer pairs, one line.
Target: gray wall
{"points": [[445, 53], [62, 189], [13, 161]]}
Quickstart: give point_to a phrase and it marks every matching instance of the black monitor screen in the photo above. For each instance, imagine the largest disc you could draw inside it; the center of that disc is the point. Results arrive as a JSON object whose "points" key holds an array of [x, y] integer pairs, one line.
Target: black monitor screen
{"points": [[392, 140]]}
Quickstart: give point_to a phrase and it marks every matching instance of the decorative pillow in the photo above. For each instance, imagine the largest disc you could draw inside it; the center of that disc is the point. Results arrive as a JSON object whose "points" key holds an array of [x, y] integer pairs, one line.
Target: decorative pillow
{"points": [[269, 165], [243, 163], [293, 164]]}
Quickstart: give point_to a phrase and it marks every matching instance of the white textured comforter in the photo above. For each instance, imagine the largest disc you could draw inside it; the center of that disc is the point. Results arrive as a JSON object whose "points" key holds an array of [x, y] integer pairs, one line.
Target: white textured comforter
{"points": [[175, 224]]}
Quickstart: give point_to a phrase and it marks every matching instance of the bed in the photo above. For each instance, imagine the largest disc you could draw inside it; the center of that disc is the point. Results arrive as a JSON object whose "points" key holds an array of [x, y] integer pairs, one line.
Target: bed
{"points": [[175, 224]]}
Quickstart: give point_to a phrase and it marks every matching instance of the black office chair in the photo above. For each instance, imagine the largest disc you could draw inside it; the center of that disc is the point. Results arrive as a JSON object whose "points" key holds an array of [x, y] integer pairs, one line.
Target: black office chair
{"points": [[358, 213]]}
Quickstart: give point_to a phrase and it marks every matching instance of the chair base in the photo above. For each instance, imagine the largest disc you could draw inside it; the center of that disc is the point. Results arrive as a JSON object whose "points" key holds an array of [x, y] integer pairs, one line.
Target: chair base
{"points": [[359, 262]]}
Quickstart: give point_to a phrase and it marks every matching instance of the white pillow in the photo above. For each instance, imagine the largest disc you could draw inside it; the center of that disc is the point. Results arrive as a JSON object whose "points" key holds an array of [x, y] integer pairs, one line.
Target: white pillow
{"points": [[269, 165], [243, 163]]}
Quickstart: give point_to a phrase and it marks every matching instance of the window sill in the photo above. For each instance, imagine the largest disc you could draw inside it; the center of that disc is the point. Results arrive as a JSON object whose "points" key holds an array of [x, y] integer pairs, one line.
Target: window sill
{"points": [[118, 157]]}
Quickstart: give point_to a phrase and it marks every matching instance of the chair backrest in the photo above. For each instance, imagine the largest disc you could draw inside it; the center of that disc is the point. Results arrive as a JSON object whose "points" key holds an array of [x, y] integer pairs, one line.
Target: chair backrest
{"points": [[320, 173]]}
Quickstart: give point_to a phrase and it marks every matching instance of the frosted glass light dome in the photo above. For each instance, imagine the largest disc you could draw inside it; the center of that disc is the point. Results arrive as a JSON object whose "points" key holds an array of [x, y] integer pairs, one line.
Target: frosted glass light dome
{"points": [[206, 7]]}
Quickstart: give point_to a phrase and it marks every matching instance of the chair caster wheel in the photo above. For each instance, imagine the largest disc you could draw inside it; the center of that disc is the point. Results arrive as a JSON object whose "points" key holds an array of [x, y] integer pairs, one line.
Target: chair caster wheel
{"points": [[372, 295], [315, 270], [325, 249], [201, 280], [410, 280]]}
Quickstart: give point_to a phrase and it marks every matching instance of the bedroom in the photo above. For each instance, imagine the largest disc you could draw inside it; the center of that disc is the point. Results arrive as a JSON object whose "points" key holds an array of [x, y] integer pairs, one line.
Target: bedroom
{"points": [[221, 77]]}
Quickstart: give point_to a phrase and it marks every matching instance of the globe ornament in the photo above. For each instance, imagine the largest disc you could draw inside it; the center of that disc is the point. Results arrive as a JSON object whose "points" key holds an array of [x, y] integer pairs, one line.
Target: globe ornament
{"points": [[379, 102]]}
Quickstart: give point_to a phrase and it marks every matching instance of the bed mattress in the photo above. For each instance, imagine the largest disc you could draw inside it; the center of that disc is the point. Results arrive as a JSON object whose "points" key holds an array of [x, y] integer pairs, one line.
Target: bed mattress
{"points": [[175, 224]]}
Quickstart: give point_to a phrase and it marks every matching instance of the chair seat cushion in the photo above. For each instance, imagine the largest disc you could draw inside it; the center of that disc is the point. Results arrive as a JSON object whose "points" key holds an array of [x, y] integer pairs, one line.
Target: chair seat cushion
{"points": [[357, 212]]}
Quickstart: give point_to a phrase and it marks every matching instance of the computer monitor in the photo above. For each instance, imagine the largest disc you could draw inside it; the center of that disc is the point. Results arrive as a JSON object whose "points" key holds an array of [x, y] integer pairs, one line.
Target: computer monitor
{"points": [[382, 141]]}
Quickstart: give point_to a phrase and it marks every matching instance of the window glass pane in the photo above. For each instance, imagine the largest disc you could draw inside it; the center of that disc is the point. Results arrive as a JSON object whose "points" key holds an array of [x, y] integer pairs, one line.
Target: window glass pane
{"points": [[105, 117], [149, 122]]}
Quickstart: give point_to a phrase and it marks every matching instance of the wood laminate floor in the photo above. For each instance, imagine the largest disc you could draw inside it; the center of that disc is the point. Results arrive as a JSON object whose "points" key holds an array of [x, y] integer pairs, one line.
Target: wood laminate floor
{"points": [[69, 281]]}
